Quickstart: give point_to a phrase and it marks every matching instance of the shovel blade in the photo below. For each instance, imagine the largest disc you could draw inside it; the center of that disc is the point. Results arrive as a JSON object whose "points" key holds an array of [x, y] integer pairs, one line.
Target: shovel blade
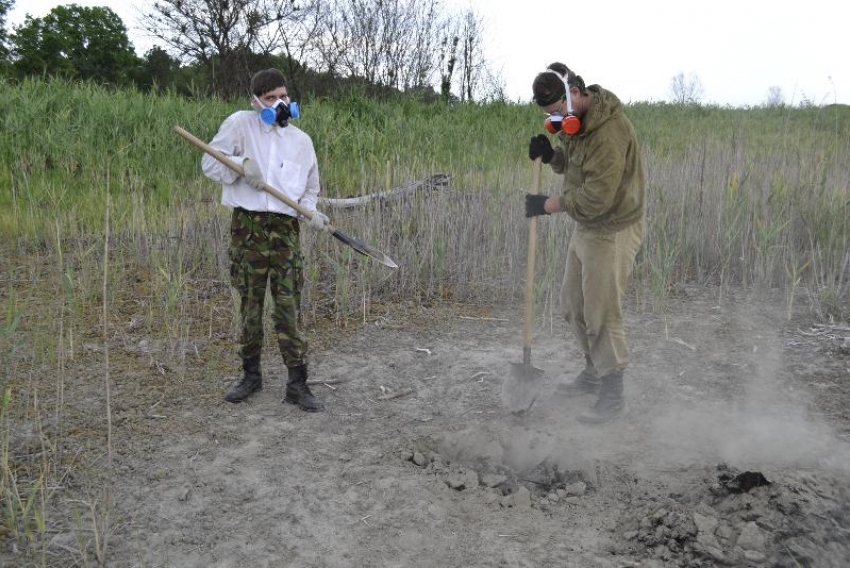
{"points": [[521, 389], [364, 249]]}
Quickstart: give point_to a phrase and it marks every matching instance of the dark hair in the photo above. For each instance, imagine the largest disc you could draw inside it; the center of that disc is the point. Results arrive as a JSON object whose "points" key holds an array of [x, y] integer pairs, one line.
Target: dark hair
{"points": [[548, 86], [267, 80]]}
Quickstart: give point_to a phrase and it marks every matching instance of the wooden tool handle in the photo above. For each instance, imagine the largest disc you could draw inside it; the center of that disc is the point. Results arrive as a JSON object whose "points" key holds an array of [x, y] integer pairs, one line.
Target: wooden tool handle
{"points": [[238, 169], [529, 271]]}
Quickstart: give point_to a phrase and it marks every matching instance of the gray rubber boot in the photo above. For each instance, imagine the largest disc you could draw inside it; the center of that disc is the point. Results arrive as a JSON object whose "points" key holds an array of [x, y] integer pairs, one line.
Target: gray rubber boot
{"points": [[610, 404], [585, 383], [298, 393], [252, 381]]}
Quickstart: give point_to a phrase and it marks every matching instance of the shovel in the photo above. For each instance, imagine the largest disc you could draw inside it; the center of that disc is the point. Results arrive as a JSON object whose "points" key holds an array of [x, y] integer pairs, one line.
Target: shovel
{"points": [[353, 242], [520, 390]]}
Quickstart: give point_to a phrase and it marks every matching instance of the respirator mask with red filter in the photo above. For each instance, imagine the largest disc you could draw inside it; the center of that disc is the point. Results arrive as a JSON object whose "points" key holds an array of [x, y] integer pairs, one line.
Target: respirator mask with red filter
{"points": [[556, 122]]}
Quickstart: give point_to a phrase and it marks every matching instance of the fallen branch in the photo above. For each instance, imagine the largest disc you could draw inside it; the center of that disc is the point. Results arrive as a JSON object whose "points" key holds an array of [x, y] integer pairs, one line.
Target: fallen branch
{"points": [[398, 394], [436, 181], [825, 331], [832, 327], [327, 382], [682, 343]]}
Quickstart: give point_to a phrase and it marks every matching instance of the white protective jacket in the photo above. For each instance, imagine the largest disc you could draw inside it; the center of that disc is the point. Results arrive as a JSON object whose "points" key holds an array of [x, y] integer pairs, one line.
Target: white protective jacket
{"points": [[285, 156]]}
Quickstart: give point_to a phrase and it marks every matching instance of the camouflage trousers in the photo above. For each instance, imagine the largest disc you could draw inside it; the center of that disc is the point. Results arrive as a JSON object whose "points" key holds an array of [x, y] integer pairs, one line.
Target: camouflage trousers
{"points": [[266, 248]]}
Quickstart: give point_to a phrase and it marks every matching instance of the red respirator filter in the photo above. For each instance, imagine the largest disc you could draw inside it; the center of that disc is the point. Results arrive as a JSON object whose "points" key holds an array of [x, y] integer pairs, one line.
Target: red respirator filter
{"points": [[569, 124], [566, 124]]}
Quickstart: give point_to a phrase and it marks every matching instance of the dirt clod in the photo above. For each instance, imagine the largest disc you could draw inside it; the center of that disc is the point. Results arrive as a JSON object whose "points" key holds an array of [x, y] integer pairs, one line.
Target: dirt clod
{"points": [[420, 459], [742, 482], [492, 480]]}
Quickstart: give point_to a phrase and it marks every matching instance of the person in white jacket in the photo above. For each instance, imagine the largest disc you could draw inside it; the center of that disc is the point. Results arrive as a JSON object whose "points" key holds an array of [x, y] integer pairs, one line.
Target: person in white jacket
{"points": [[265, 246]]}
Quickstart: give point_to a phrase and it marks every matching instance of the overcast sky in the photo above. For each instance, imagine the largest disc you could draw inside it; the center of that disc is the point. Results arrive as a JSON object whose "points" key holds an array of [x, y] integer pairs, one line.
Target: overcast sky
{"points": [[737, 48]]}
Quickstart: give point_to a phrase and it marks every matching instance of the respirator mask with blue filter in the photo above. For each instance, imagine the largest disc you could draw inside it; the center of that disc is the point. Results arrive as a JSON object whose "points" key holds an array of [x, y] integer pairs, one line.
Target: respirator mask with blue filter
{"points": [[278, 113]]}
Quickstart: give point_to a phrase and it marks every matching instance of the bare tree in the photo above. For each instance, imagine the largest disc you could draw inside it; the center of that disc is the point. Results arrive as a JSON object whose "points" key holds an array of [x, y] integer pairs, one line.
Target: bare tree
{"points": [[448, 61], [421, 62], [222, 35], [775, 98], [354, 34], [328, 45], [471, 55], [295, 37], [685, 90], [375, 40], [401, 44], [5, 8], [492, 87]]}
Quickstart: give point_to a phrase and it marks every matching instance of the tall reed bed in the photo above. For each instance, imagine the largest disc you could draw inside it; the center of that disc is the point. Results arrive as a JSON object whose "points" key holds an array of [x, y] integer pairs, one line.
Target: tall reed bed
{"points": [[736, 197], [750, 197]]}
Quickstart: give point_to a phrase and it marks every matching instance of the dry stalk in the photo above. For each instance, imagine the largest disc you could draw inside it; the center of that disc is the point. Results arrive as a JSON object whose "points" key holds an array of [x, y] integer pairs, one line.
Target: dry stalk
{"points": [[327, 382], [106, 327], [398, 394]]}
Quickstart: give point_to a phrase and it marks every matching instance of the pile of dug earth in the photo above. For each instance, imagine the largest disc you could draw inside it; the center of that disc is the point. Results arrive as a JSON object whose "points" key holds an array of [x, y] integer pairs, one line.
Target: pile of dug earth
{"points": [[742, 519], [729, 518]]}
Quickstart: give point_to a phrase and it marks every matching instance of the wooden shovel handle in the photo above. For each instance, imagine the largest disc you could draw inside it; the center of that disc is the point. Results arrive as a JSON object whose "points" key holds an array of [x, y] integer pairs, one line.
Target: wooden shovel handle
{"points": [[529, 269], [238, 169]]}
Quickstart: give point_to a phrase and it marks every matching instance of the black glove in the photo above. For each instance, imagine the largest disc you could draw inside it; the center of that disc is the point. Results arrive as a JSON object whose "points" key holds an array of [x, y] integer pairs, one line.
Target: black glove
{"points": [[540, 146], [534, 204]]}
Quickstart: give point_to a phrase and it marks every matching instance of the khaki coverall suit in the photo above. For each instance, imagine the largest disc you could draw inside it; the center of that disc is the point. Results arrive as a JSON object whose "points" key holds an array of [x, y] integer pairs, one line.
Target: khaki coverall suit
{"points": [[604, 191]]}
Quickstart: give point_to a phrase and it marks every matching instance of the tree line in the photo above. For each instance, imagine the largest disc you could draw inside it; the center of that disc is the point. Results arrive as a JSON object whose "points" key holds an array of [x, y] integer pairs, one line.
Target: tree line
{"points": [[383, 47]]}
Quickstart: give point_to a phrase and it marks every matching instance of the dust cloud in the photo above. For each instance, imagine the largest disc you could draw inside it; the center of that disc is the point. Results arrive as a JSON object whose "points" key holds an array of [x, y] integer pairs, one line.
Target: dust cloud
{"points": [[738, 405], [760, 419]]}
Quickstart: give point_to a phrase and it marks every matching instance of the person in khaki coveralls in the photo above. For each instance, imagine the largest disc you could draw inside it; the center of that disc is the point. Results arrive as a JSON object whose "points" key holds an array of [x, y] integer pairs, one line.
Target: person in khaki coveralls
{"points": [[604, 192]]}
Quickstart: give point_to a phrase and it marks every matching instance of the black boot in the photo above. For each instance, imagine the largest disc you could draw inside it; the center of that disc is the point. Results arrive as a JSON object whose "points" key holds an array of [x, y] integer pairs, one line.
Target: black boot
{"points": [[251, 382], [610, 402], [297, 391], [585, 383]]}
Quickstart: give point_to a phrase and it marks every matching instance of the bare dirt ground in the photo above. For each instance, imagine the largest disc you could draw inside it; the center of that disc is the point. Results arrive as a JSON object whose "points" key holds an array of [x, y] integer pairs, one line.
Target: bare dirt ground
{"points": [[415, 463]]}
